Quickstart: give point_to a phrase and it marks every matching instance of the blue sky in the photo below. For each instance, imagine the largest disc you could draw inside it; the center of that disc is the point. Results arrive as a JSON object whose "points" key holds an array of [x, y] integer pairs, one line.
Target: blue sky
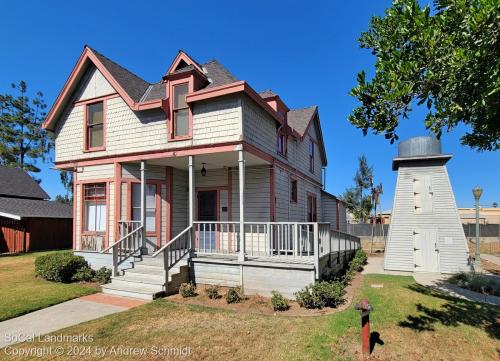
{"points": [[305, 51]]}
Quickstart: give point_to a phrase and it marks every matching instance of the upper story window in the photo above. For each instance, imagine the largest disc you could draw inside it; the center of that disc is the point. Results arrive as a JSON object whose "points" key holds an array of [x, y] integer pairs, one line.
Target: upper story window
{"points": [[311, 155], [293, 191], [281, 142], [94, 198], [180, 111], [95, 126]]}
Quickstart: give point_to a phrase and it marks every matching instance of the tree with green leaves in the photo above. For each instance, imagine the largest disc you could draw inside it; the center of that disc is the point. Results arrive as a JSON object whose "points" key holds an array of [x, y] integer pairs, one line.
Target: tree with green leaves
{"points": [[67, 182], [23, 141], [358, 198], [444, 57]]}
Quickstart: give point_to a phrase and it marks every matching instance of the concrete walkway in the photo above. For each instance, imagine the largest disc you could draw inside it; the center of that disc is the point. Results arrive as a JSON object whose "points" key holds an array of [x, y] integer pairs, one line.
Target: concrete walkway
{"points": [[491, 258], [436, 281], [60, 316]]}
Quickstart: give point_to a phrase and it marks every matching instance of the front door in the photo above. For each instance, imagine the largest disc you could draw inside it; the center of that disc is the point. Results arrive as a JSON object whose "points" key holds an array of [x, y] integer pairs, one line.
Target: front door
{"points": [[426, 250], [207, 211]]}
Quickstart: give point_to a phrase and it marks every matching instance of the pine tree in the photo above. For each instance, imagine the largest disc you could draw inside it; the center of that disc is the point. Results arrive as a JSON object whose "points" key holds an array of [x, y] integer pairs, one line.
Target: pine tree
{"points": [[358, 202], [23, 141]]}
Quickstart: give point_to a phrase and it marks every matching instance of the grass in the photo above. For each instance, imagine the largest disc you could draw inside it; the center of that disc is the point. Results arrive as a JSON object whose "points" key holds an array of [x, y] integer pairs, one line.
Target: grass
{"points": [[21, 292], [412, 323]]}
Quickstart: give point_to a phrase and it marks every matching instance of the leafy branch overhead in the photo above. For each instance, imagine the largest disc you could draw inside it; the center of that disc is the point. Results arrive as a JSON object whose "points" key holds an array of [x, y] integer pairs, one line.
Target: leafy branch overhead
{"points": [[446, 59]]}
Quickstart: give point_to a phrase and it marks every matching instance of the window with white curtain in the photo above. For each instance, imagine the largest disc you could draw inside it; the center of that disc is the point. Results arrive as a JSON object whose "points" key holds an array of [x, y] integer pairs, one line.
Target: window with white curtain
{"points": [[150, 205], [95, 207]]}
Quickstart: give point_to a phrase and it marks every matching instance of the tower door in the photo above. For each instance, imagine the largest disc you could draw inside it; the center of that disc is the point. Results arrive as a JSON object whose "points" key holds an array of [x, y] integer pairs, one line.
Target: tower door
{"points": [[425, 246]]}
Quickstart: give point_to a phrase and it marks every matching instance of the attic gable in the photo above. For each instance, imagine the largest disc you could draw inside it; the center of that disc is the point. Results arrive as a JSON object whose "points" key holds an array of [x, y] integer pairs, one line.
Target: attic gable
{"points": [[183, 61]]}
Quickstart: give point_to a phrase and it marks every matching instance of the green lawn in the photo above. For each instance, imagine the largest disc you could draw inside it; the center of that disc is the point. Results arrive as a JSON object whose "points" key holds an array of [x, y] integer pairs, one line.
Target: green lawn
{"points": [[412, 323], [21, 292]]}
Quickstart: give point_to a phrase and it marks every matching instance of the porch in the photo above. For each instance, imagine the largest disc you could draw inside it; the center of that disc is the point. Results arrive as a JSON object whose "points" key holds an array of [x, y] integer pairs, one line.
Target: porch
{"points": [[217, 217]]}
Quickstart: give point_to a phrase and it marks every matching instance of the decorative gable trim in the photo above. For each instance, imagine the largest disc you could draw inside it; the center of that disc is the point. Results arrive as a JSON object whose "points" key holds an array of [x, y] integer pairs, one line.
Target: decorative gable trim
{"points": [[183, 57], [76, 74]]}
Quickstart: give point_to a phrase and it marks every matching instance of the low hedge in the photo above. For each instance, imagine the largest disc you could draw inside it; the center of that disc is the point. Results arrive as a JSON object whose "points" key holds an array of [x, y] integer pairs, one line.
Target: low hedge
{"points": [[59, 267]]}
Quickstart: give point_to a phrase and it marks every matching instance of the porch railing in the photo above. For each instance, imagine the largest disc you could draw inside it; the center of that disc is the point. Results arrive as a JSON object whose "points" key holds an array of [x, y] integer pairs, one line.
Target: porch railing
{"points": [[129, 244]]}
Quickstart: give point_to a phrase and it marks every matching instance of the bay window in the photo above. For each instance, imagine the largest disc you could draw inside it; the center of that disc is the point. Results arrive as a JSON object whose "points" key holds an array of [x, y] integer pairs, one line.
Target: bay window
{"points": [[150, 205], [95, 207]]}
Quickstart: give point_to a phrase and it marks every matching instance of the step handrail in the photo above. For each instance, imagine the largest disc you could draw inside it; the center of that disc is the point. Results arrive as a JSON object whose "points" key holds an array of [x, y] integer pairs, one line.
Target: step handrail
{"points": [[171, 241], [121, 240]]}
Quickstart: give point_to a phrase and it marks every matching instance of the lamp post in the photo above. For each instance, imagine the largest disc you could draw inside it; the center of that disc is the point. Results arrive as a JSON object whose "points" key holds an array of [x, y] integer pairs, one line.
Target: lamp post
{"points": [[477, 191]]}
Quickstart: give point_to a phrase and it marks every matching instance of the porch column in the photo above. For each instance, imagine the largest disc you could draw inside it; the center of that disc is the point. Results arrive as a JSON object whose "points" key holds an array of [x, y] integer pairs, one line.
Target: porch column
{"points": [[191, 190], [143, 205], [241, 180]]}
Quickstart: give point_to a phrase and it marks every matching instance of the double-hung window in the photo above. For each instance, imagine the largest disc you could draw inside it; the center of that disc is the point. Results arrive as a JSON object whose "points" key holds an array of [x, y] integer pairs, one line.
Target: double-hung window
{"points": [[293, 191], [281, 141], [95, 207], [180, 111], [95, 126], [312, 215], [150, 205]]}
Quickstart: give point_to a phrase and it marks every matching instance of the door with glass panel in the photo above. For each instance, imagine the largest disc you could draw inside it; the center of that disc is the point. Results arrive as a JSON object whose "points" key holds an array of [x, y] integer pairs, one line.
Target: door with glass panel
{"points": [[207, 211], [152, 234]]}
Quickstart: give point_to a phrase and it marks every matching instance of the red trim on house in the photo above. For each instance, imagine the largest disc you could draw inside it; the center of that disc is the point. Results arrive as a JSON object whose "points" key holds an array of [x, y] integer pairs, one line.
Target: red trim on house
{"points": [[156, 154], [96, 99], [95, 180], [170, 128], [83, 232], [158, 183], [86, 56], [170, 190], [86, 147], [183, 56], [74, 209], [272, 194], [118, 198]]}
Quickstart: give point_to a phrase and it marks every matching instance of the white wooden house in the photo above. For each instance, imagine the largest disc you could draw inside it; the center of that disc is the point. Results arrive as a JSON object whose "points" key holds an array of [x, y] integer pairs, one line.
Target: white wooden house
{"points": [[196, 177]]}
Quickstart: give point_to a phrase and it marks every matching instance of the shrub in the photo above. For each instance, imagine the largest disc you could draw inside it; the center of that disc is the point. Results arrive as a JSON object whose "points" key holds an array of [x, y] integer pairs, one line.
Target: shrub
{"points": [[212, 292], [102, 275], [476, 282], [59, 267], [187, 290], [279, 302], [331, 293], [321, 294], [308, 299], [361, 255], [84, 274], [233, 296]]}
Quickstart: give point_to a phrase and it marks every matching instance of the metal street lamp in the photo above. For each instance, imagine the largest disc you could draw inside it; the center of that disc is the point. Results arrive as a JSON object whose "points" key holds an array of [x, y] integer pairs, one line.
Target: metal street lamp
{"points": [[477, 191]]}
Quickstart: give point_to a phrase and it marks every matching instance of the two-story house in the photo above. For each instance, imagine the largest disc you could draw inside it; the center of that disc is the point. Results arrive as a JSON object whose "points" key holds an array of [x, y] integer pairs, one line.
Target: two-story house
{"points": [[196, 176]]}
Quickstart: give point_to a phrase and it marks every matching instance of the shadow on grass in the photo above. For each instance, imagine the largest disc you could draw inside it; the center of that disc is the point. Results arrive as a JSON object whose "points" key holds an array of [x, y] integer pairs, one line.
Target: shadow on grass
{"points": [[454, 312], [375, 339]]}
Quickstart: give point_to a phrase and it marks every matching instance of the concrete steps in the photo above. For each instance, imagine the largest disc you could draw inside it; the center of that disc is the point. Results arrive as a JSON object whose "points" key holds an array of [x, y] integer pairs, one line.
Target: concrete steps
{"points": [[146, 280]]}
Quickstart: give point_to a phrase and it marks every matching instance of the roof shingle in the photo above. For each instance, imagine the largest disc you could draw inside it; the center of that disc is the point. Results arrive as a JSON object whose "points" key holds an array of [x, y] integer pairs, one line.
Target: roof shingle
{"points": [[299, 119], [15, 182], [34, 208]]}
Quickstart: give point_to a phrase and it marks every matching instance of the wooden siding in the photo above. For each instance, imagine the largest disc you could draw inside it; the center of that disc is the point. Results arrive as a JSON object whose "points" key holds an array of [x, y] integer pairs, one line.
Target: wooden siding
{"points": [[444, 217], [286, 210], [128, 131], [180, 201], [257, 194], [35, 234], [329, 210], [93, 85], [101, 171], [133, 170], [259, 129]]}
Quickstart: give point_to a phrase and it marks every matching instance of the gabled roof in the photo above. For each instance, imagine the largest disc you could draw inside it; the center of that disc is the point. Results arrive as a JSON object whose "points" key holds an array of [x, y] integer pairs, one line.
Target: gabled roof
{"points": [[15, 182], [19, 208], [131, 83], [299, 119], [267, 94]]}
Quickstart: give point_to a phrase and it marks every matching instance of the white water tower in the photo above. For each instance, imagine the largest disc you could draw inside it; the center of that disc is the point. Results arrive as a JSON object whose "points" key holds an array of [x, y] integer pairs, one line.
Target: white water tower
{"points": [[425, 233]]}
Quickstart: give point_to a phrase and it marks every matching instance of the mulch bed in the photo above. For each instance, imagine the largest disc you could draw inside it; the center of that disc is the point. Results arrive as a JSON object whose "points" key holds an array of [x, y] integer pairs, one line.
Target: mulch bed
{"points": [[256, 304]]}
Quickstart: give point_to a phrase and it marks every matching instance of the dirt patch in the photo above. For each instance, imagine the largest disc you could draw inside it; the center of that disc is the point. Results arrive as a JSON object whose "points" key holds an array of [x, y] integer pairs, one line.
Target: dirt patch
{"points": [[256, 304]]}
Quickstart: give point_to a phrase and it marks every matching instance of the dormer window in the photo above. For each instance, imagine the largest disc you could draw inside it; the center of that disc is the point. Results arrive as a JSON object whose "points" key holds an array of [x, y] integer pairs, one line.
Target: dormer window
{"points": [[180, 111], [281, 141], [94, 124]]}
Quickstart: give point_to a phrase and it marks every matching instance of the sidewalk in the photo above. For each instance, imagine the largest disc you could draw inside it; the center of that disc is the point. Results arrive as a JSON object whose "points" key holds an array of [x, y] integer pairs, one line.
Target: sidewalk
{"points": [[63, 315]]}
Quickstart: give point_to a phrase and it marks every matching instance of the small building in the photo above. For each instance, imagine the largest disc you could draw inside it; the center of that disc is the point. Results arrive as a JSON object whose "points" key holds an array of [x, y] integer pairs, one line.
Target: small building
{"points": [[28, 220], [426, 234]]}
